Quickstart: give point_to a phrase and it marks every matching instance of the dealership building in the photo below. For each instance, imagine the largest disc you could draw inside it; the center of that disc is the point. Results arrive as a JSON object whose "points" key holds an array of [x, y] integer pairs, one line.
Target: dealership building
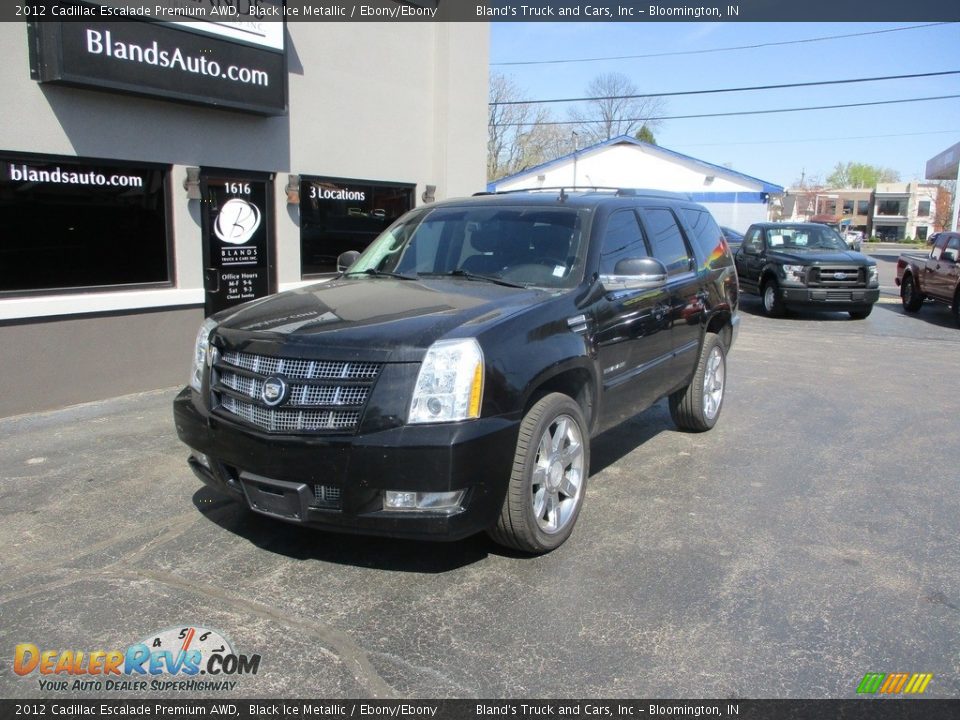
{"points": [[155, 172], [735, 199]]}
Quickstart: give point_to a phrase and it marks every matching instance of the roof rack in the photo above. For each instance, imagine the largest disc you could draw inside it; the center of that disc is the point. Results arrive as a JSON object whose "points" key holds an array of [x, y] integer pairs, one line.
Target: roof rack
{"points": [[617, 191]]}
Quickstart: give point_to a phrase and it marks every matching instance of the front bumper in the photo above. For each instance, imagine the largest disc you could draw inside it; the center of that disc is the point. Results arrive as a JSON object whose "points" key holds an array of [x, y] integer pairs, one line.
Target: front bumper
{"points": [[278, 475], [829, 298]]}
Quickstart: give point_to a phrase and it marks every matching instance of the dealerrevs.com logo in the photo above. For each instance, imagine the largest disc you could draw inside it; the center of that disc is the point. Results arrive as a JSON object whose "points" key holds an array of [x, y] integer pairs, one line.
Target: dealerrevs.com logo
{"points": [[172, 659]]}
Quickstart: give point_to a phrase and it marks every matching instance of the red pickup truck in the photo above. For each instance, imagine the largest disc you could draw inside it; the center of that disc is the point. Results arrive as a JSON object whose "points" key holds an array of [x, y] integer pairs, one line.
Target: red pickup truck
{"points": [[936, 277]]}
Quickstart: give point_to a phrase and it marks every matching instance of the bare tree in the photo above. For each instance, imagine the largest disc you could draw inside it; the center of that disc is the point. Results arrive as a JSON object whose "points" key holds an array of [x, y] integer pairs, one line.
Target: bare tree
{"points": [[518, 134], [615, 110]]}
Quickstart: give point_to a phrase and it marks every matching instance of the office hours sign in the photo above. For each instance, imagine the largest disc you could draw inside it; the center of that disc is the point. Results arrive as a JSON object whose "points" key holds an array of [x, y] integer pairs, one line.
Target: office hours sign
{"points": [[237, 237]]}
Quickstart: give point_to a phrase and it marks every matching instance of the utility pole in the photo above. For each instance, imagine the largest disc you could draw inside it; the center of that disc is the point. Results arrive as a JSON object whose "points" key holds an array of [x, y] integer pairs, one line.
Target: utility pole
{"points": [[575, 137]]}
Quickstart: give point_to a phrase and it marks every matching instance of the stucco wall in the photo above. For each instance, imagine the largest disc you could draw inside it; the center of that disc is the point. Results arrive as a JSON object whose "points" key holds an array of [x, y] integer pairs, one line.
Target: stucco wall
{"points": [[399, 102]]}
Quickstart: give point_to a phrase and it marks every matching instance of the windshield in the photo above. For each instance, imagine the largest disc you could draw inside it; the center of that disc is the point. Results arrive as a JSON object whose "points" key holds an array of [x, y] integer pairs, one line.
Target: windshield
{"points": [[804, 238], [535, 246]]}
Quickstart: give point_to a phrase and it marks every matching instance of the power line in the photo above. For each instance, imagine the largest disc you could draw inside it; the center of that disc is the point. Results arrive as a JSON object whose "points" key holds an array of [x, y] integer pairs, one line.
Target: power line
{"points": [[729, 90], [731, 114], [721, 49], [829, 139]]}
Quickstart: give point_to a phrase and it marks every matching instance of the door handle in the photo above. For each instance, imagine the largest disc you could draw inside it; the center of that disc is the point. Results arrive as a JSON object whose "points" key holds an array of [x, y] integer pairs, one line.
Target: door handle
{"points": [[212, 280]]}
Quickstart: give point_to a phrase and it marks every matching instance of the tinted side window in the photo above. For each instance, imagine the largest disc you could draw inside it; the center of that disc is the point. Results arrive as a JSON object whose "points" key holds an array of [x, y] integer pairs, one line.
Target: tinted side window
{"points": [[623, 238], [952, 250], [666, 240], [752, 241], [938, 247], [707, 236]]}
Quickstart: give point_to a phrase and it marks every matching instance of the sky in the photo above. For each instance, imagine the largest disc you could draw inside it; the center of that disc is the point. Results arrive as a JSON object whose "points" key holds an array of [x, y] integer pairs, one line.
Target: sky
{"points": [[777, 148]]}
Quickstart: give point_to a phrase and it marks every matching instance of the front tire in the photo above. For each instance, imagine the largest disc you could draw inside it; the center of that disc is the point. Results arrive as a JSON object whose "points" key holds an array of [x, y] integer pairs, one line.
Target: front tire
{"points": [[697, 407], [909, 294], [549, 478], [772, 301]]}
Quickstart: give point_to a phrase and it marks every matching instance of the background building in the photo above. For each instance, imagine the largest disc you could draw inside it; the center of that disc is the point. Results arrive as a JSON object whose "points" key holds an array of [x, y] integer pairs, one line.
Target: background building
{"points": [[904, 210], [152, 172], [735, 200]]}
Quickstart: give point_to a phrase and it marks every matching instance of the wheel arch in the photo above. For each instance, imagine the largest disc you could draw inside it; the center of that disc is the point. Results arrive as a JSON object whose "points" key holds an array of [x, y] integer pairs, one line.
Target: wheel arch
{"points": [[573, 379], [720, 323], [769, 273]]}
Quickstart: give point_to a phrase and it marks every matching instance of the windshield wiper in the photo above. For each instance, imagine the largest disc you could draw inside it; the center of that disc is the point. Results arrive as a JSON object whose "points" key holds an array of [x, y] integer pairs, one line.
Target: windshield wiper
{"points": [[373, 272], [474, 276]]}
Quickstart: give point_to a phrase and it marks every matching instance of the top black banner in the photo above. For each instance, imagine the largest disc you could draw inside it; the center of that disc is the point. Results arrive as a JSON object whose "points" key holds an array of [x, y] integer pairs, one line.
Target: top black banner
{"points": [[266, 11]]}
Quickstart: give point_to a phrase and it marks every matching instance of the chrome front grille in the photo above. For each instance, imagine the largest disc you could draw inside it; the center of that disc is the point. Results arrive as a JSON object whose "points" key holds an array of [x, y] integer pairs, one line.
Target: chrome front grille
{"points": [[840, 276], [322, 395], [302, 369]]}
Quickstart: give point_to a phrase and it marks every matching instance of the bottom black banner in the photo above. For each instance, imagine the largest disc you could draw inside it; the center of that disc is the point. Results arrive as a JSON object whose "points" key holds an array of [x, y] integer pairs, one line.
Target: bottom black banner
{"points": [[867, 709]]}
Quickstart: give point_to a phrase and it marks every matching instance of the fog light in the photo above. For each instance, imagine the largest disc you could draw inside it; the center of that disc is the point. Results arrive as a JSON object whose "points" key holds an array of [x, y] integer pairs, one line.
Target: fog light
{"points": [[396, 500], [443, 502]]}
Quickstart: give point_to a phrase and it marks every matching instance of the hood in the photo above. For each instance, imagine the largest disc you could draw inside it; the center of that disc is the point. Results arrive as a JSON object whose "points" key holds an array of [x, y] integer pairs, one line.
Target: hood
{"points": [[822, 257], [379, 317]]}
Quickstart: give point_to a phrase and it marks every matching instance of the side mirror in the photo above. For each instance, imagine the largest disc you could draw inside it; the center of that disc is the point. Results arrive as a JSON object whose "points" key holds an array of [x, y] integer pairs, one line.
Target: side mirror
{"points": [[346, 260], [636, 274]]}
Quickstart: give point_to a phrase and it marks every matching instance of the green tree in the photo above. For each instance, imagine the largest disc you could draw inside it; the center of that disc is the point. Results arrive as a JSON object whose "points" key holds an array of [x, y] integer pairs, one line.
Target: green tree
{"points": [[860, 175], [646, 135]]}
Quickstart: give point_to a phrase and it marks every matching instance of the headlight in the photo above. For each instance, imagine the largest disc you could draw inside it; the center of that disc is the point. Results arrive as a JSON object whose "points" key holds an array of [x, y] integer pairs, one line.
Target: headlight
{"points": [[200, 353], [450, 383], [872, 274], [793, 273]]}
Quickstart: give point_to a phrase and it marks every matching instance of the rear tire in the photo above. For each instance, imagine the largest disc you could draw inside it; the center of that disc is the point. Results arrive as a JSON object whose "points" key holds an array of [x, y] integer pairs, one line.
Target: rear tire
{"points": [[549, 478], [770, 296], [909, 294], [697, 407]]}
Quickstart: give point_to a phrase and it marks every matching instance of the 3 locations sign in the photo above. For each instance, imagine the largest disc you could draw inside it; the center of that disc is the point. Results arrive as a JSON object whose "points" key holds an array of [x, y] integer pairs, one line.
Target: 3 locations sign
{"points": [[226, 63]]}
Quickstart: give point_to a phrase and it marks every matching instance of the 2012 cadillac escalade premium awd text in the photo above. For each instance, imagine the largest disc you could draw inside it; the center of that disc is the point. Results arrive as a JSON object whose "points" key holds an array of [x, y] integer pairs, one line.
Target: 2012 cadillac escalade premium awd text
{"points": [[449, 380]]}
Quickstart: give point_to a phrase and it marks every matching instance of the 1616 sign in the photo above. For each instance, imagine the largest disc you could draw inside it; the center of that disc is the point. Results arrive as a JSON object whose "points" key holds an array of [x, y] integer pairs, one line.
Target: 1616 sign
{"points": [[238, 242]]}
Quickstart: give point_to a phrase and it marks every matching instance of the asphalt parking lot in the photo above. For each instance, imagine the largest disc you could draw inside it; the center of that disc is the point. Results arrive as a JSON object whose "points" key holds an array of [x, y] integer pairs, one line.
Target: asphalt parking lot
{"points": [[810, 538]]}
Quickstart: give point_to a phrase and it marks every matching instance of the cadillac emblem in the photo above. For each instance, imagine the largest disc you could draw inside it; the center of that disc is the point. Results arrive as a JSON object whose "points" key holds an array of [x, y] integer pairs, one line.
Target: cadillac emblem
{"points": [[275, 390]]}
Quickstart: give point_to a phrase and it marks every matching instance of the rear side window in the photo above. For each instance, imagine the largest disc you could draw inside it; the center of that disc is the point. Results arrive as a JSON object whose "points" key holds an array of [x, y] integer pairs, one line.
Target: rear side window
{"points": [[623, 238], [707, 236], [666, 240], [938, 247], [952, 250]]}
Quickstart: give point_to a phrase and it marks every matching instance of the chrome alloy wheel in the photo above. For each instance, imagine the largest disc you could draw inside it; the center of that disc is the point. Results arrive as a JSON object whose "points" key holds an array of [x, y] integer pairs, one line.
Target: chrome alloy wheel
{"points": [[557, 481], [713, 378], [769, 298]]}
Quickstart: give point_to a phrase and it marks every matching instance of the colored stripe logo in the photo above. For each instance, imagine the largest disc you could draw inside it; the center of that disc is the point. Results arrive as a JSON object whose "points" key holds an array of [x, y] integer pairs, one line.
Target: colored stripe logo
{"points": [[894, 683]]}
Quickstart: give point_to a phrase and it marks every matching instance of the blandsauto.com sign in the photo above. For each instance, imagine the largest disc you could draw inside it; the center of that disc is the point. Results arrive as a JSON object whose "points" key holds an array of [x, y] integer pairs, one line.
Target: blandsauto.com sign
{"points": [[161, 59]]}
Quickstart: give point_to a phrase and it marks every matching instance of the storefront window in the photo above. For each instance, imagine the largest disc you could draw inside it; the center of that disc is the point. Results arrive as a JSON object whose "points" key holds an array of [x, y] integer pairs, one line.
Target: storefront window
{"points": [[71, 224], [337, 215]]}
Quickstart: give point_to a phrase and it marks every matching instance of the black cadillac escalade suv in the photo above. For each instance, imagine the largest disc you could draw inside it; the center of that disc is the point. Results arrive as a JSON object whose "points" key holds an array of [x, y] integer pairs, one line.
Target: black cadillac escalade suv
{"points": [[449, 380], [805, 265]]}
